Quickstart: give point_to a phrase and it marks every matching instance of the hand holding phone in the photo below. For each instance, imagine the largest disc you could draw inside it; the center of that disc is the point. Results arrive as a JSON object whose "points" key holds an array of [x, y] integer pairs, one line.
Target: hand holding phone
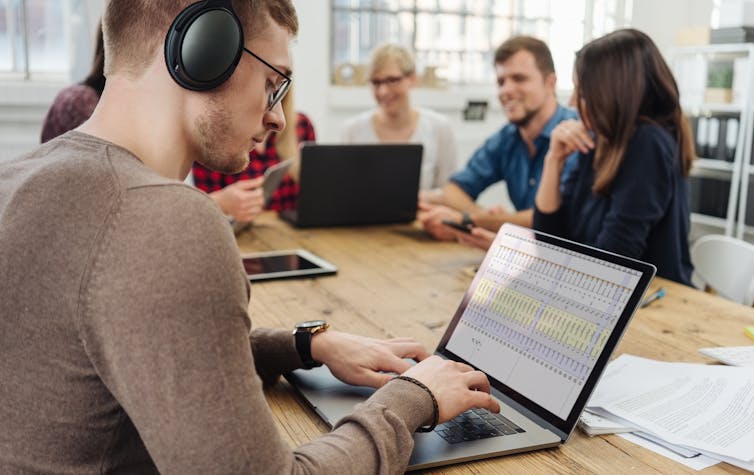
{"points": [[272, 178], [457, 226]]}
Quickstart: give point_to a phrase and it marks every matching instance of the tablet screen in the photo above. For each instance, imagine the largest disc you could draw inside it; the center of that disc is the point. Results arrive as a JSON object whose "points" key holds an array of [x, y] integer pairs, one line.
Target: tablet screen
{"points": [[285, 264]]}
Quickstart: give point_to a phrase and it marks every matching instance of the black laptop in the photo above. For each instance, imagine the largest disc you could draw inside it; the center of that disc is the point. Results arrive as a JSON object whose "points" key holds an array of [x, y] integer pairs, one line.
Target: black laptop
{"points": [[541, 318], [357, 184]]}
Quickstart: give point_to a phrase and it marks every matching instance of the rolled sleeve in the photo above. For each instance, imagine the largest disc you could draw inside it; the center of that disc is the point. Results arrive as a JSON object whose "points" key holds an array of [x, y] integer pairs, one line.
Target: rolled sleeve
{"points": [[484, 167]]}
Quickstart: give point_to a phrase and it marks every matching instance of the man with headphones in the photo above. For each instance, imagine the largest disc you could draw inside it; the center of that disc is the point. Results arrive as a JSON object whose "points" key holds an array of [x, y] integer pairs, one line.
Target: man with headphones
{"points": [[125, 343]]}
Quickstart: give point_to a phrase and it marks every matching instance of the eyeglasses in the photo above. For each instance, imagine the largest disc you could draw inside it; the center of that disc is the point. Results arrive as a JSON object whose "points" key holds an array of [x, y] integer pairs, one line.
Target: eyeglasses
{"points": [[388, 81], [279, 90]]}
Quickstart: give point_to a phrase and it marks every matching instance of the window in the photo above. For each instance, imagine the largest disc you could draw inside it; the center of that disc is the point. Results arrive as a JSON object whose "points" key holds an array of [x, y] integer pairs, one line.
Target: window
{"points": [[33, 38], [458, 37]]}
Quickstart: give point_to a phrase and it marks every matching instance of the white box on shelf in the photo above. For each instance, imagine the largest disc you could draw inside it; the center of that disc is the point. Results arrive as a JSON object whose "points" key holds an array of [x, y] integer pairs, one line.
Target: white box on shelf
{"points": [[691, 72], [736, 13]]}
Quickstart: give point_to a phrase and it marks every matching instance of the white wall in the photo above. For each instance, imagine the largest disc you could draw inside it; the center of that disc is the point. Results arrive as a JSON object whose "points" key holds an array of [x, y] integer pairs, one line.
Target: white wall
{"points": [[662, 19]]}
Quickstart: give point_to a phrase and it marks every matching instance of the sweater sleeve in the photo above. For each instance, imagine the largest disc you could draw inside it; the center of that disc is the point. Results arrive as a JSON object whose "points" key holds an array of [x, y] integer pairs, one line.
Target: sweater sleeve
{"points": [[350, 132], [164, 321], [640, 194]]}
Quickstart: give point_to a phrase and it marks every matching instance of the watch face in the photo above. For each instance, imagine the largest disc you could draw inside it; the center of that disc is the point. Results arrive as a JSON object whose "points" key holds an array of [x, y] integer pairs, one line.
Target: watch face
{"points": [[311, 324]]}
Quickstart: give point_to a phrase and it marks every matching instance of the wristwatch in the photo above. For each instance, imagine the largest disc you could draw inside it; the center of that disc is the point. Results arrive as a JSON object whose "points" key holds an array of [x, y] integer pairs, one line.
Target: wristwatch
{"points": [[466, 220], [304, 332]]}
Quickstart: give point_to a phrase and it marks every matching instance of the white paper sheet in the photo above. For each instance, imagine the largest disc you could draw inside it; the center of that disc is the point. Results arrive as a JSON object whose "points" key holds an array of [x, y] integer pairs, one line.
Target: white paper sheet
{"points": [[701, 407], [731, 355], [700, 462]]}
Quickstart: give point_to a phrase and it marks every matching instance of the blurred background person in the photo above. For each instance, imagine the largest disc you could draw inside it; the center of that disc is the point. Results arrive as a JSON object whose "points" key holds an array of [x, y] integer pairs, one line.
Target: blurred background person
{"points": [[392, 73], [515, 154], [240, 196], [74, 104], [629, 192]]}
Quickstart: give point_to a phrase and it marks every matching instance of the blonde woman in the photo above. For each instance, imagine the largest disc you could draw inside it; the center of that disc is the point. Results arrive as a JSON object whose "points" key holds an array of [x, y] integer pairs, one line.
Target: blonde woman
{"points": [[392, 74]]}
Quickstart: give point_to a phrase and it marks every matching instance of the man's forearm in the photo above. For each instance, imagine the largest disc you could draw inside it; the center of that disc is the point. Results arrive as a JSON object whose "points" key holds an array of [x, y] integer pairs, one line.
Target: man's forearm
{"points": [[454, 197], [493, 221]]}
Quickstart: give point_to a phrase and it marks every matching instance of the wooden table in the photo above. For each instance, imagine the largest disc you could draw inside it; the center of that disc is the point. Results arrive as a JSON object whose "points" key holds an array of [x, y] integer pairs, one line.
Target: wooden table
{"points": [[395, 281]]}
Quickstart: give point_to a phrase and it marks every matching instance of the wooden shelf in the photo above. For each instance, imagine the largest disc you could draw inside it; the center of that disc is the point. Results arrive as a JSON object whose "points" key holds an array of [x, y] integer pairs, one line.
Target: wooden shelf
{"points": [[712, 164], [712, 108], [708, 220], [738, 49]]}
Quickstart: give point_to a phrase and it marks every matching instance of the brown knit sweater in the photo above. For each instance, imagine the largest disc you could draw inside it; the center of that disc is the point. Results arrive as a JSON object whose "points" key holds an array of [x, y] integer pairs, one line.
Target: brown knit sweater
{"points": [[124, 333]]}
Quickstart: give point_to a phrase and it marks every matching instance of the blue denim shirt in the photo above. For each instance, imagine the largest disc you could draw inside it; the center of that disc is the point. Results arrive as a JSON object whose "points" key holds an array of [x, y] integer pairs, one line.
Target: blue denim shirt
{"points": [[505, 157]]}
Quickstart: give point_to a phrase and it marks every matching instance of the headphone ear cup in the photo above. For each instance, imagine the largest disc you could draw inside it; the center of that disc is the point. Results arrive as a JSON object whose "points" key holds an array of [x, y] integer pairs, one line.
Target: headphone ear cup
{"points": [[203, 45]]}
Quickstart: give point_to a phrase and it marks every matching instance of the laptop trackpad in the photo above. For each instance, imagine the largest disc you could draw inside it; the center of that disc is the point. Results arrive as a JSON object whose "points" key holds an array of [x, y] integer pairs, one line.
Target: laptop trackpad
{"points": [[331, 398]]}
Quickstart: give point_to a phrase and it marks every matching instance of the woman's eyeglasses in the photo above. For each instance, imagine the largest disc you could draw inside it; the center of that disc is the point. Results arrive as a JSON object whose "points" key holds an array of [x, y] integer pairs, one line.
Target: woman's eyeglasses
{"points": [[387, 81], [279, 90]]}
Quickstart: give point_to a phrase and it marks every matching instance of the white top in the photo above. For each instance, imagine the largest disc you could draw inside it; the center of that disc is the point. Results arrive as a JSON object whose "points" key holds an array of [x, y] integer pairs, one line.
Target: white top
{"points": [[433, 130]]}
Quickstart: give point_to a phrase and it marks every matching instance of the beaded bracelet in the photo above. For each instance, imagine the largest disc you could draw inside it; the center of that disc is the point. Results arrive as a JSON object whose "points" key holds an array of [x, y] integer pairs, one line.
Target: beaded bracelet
{"points": [[436, 408]]}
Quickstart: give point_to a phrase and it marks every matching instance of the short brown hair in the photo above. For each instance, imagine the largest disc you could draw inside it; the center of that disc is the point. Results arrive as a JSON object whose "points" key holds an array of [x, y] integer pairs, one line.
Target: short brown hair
{"points": [[134, 29], [535, 46]]}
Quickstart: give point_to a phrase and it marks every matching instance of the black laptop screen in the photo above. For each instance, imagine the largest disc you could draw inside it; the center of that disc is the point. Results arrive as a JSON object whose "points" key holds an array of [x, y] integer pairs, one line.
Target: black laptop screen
{"points": [[542, 317]]}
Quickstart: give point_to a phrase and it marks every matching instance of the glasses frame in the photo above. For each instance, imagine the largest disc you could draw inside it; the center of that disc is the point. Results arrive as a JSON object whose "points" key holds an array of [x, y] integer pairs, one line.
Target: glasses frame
{"points": [[389, 81], [280, 91]]}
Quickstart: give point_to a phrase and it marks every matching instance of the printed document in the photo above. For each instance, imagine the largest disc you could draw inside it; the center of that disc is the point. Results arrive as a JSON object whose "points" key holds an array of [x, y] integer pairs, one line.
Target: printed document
{"points": [[707, 408]]}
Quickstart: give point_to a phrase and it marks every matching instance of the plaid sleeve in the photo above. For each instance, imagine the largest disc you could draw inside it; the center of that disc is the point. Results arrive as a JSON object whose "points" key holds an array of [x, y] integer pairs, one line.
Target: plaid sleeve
{"points": [[286, 196], [305, 129]]}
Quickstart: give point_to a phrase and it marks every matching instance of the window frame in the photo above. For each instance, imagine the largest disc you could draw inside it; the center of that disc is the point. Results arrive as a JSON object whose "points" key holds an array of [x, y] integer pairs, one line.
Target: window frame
{"points": [[25, 72], [621, 17]]}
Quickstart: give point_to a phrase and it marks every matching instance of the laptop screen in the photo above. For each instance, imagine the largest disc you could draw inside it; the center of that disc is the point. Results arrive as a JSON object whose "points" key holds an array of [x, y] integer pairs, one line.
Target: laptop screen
{"points": [[542, 317]]}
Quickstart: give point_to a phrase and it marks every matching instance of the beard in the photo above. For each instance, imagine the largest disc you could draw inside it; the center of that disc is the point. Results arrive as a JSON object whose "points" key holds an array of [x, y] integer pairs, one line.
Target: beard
{"points": [[529, 114], [215, 142]]}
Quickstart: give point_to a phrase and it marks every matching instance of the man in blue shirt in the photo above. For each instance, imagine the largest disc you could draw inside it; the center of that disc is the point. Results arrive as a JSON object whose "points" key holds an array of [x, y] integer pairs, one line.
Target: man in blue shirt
{"points": [[515, 154]]}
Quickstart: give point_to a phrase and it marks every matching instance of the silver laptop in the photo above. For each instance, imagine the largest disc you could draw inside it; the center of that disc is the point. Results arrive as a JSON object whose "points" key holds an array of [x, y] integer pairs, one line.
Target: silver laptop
{"points": [[541, 318]]}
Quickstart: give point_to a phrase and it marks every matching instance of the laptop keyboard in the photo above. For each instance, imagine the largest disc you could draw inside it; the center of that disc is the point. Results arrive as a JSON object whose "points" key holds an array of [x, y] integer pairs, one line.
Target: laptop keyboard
{"points": [[476, 424]]}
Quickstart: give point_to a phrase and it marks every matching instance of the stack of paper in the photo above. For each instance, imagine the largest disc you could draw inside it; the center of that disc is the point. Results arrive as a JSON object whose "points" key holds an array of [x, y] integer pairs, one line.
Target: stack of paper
{"points": [[594, 424], [731, 355], [689, 408]]}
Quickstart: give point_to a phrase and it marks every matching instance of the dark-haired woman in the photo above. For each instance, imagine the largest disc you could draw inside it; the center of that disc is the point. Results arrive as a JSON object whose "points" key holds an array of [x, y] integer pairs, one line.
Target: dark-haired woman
{"points": [[628, 194], [74, 104]]}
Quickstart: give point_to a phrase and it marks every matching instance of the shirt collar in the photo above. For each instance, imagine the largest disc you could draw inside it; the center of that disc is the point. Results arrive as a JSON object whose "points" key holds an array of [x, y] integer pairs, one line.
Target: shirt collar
{"points": [[561, 113]]}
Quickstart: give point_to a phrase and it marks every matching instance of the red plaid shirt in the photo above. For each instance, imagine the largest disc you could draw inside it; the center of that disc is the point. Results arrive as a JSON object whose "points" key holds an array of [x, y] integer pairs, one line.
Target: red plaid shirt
{"points": [[286, 196]]}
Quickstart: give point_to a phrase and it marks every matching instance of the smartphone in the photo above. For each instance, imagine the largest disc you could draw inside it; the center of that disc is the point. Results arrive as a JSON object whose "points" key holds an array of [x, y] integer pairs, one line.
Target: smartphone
{"points": [[457, 226], [272, 178]]}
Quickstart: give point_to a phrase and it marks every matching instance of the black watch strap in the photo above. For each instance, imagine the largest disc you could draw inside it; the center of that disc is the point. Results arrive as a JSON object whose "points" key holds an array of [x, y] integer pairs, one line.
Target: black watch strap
{"points": [[304, 348]]}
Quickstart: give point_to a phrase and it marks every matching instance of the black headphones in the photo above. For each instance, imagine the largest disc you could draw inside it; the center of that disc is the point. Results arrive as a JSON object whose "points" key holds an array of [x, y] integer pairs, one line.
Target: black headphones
{"points": [[204, 44]]}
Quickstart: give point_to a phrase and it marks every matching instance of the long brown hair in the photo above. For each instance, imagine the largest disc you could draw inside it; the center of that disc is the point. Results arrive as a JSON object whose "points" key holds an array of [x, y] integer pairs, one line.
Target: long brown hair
{"points": [[622, 81]]}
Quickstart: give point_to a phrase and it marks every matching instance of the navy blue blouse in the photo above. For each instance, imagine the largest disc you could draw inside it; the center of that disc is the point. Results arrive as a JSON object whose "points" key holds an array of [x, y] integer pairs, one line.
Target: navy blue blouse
{"points": [[645, 214]]}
